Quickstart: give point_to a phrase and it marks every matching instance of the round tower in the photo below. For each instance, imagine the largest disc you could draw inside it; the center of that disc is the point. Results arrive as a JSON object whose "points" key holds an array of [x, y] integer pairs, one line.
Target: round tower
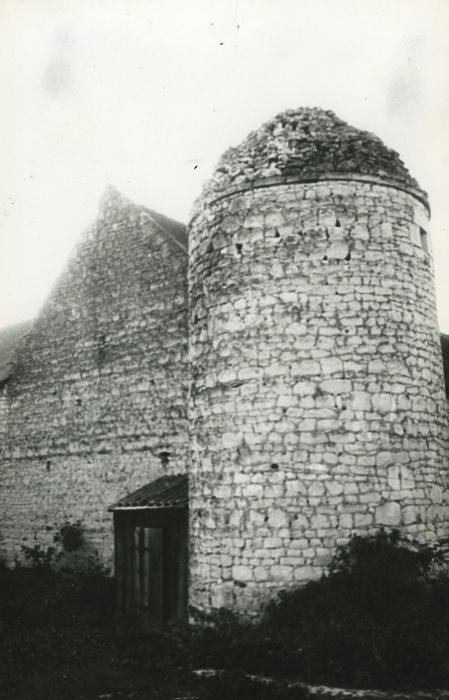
{"points": [[317, 392]]}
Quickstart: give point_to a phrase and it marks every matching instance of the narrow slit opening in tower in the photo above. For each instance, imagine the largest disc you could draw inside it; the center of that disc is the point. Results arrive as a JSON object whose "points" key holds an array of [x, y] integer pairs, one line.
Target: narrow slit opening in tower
{"points": [[424, 237], [238, 247]]}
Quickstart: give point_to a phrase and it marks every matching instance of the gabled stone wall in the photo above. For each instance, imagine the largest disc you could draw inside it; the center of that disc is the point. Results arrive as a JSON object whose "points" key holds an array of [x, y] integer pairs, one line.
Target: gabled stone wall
{"points": [[3, 411], [97, 396]]}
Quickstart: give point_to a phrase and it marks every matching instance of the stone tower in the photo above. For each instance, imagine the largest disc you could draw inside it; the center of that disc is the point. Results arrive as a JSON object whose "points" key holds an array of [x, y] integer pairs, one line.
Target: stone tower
{"points": [[317, 392]]}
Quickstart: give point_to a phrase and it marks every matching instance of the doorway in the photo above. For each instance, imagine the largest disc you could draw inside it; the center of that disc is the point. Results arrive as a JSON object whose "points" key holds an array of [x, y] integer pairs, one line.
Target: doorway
{"points": [[150, 534], [151, 566]]}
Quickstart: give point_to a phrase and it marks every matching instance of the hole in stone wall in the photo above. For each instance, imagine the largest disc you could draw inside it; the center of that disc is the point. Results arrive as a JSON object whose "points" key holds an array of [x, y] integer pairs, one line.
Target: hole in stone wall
{"points": [[48, 464], [238, 247], [101, 349], [78, 402], [424, 239], [348, 256], [164, 457], [337, 223], [325, 257], [274, 466], [296, 311], [276, 233]]}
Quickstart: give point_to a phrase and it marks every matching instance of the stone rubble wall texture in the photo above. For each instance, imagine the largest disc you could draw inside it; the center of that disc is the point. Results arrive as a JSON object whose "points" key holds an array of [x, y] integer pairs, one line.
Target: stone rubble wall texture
{"points": [[3, 412], [317, 398], [99, 385]]}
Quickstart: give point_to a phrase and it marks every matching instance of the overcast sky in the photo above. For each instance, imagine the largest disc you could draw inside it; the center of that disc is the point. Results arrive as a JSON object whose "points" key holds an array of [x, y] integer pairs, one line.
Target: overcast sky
{"points": [[147, 94]]}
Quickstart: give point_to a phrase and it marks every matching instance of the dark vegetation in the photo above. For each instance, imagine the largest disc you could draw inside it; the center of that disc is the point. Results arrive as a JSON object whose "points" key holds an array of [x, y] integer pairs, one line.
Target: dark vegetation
{"points": [[379, 619]]}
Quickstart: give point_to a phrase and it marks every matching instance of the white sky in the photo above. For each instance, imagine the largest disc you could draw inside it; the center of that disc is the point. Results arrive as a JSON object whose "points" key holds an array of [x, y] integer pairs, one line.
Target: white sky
{"points": [[137, 93]]}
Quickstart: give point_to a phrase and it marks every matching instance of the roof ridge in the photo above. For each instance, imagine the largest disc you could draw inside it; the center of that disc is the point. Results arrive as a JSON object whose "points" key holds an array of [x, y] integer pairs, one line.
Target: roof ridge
{"points": [[167, 491]]}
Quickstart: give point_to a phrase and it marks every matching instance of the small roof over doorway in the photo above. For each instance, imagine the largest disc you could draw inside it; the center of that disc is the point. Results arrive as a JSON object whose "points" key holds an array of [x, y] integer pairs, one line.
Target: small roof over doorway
{"points": [[165, 492], [151, 532]]}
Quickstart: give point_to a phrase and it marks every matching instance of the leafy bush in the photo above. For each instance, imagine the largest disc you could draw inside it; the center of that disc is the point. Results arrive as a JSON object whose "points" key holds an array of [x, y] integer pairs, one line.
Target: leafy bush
{"points": [[38, 556], [381, 618], [33, 598], [48, 620], [70, 536], [72, 556]]}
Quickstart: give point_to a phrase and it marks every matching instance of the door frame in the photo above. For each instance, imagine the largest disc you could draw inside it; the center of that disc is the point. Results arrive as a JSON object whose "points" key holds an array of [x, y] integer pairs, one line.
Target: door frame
{"points": [[173, 523]]}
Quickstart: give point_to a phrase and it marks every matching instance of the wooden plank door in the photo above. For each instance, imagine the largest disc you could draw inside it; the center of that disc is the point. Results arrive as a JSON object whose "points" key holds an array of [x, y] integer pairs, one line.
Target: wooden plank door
{"points": [[147, 575]]}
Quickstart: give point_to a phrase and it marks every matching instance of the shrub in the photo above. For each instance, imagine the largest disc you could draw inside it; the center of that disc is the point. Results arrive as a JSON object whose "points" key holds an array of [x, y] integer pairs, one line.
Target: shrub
{"points": [[71, 556], [38, 556], [379, 619], [70, 536]]}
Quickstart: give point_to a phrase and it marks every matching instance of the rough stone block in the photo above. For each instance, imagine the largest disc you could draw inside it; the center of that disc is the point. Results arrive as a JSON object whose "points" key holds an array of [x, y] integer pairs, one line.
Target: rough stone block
{"points": [[242, 573], [308, 368], [277, 518], [231, 440], [359, 401], [388, 514], [363, 519], [296, 329], [336, 386], [304, 388], [331, 365], [334, 488], [281, 573], [384, 403]]}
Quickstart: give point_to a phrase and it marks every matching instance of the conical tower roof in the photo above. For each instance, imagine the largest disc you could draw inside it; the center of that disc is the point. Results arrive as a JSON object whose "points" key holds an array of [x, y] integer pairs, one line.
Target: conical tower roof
{"points": [[306, 144]]}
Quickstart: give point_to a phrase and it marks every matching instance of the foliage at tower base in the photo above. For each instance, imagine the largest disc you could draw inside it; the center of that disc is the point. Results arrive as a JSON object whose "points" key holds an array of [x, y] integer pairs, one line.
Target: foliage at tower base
{"points": [[379, 619]]}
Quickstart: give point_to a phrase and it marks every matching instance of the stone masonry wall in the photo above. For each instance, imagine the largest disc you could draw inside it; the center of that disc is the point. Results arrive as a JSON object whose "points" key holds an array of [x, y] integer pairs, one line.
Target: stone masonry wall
{"points": [[97, 398], [317, 397], [3, 411]]}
